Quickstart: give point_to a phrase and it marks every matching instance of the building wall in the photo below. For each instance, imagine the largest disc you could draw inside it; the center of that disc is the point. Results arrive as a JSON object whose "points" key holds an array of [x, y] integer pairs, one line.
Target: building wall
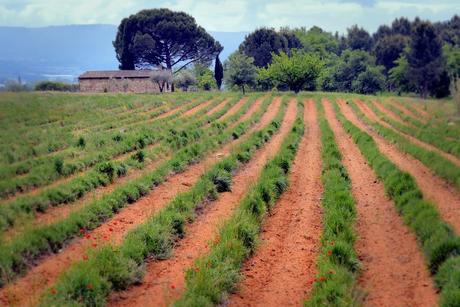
{"points": [[131, 85]]}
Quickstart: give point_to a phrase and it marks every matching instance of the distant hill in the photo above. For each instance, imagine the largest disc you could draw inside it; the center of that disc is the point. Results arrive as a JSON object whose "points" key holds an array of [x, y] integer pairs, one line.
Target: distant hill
{"points": [[63, 52]]}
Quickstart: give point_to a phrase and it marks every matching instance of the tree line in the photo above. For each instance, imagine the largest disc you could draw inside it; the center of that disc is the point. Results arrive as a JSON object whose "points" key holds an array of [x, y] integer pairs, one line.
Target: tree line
{"points": [[407, 56]]}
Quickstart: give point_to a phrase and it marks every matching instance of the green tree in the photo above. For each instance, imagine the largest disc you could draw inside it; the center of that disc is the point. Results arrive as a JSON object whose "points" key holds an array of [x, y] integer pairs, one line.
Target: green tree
{"points": [[425, 57], [163, 78], [452, 55], [184, 79], [240, 71], [369, 81], [163, 37], [388, 49], [318, 41], [358, 39], [218, 72], [298, 71], [264, 42], [398, 76], [206, 81]]}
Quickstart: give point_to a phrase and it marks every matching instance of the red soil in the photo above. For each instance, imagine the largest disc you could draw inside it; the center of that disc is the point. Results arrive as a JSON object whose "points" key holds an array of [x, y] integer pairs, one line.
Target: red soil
{"points": [[369, 113], [252, 109], [389, 113], [55, 213], [282, 268], [394, 272], [218, 107], [27, 290], [234, 108], [161, 275], [196, 109], [400, 106], [434, 189], [35, 190]]}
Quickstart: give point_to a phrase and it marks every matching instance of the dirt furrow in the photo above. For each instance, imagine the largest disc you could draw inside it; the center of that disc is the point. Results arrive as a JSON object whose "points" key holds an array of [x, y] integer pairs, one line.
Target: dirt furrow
{"points": [[434, 189], [59, 212], [53, 214], [218, 107], [26, 290], [252, 109], [389, 113], [394, 272], [62, 180], [196, 109], [165, 280], [278, 273], [369, 113], [400, 106], [234, 108]]}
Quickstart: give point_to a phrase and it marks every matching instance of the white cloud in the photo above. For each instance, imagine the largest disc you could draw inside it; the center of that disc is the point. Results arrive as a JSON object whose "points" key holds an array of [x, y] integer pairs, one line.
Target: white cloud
{"points": [[227, 15]]}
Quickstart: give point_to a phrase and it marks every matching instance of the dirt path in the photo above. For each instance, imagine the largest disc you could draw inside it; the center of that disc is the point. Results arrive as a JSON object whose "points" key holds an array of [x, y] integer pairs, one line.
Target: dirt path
{"points": [[394, 272], [217, 108], [402, 107], [434, 189], [370, 114], [234, 108], [279, 271], [252, 109], [196, 109], [161, 275], [26, 290], [389, 113]]}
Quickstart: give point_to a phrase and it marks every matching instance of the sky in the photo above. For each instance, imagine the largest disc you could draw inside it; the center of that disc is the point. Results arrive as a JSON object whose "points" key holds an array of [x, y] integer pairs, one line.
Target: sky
{"points": [[230, 15]]}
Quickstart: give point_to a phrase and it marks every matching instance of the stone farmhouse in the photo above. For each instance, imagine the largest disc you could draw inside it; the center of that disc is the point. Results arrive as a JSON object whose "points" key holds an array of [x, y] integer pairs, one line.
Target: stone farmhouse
{"points": [[128, 81]]}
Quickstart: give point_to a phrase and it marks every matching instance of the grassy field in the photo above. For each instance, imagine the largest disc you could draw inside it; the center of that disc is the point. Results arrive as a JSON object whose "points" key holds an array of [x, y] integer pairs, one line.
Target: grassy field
{"points": [[199, 199]]}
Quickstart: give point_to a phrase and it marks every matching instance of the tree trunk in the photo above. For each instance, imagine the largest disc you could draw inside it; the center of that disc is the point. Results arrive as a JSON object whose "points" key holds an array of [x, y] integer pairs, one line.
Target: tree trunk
{"points": [[242, 87]]}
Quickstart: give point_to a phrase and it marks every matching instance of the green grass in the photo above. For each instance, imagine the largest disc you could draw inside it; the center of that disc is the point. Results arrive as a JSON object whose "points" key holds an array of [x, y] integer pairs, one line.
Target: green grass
{"points": [[217, 272], [115, 268], [338, 264], [437, 240]]}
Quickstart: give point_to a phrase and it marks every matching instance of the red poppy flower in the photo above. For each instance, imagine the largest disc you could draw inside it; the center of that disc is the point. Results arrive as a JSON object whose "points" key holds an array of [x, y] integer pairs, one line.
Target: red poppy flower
{"points": [[85, 257], [110, 229], [53, 291], [322, 279], [173, 287], [94, 244], [88, 237], [89, 286], [329, 252]]}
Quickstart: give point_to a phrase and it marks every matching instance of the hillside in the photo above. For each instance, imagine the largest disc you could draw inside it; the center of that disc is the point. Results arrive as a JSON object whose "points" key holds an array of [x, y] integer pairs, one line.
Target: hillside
{"points": [[63, 52]]}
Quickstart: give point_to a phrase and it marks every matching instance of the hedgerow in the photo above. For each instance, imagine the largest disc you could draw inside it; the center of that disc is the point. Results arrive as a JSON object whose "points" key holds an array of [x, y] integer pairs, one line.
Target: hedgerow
{"points": [[439, 243], [23, 250], [338, 264], [217, 272], [154, 238]]}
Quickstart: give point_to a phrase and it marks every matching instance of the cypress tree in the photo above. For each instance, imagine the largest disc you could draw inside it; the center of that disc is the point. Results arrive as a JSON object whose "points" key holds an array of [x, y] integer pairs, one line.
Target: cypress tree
{"points": [[218, 72]]}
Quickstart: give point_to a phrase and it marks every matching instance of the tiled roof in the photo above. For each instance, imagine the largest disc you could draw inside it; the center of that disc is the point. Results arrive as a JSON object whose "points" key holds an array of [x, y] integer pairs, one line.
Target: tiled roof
{"points": [[107, 74]]}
